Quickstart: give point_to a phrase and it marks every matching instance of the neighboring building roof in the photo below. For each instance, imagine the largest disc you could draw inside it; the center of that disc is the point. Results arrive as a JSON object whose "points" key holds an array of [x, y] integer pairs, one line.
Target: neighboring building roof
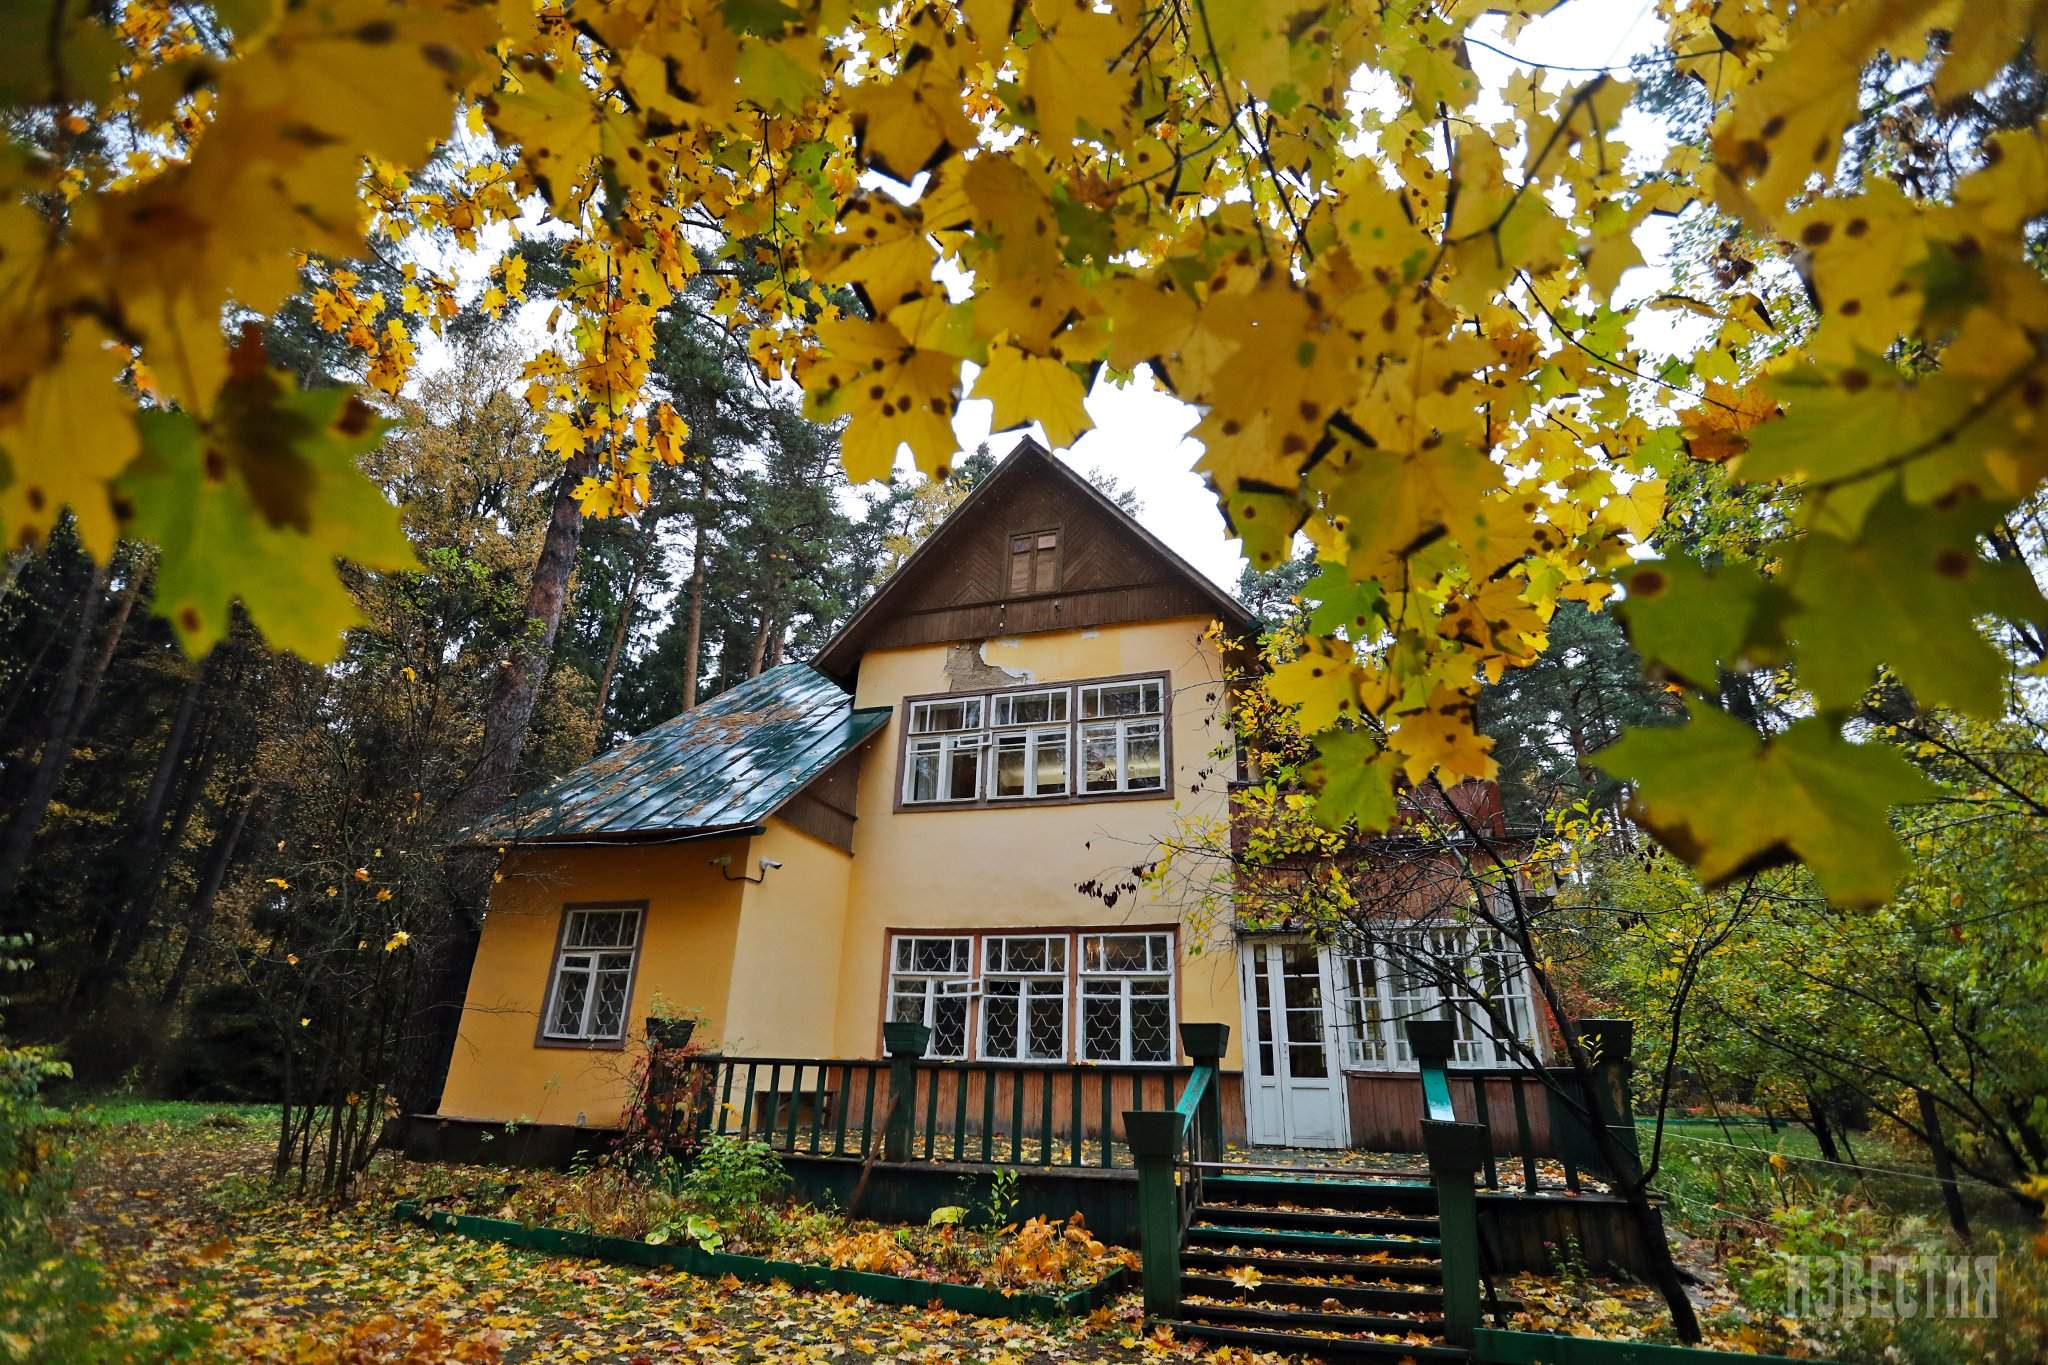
{"points": [[720, 769], [940, 582]]}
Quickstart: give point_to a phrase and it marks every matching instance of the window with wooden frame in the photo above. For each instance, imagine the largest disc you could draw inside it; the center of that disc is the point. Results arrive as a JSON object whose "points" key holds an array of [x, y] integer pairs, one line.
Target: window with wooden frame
{"points": [[1026, 986], [1024, 998], [1033, 743], [942, 757], [1034, 562], [592, 979], [930, 981], [1127, 997]]}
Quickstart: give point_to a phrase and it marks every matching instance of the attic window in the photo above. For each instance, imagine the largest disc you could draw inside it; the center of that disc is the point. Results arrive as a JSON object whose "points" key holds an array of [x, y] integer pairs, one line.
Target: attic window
{"points": [[1034, 562]]}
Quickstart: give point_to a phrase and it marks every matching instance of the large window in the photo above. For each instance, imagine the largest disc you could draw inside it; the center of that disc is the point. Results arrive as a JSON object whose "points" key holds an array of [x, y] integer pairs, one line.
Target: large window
{"points": [[1099, 739], [593, 975], [1127, 998], [1468, 975], [929, 984], [1039, 997], [1024, 998]]}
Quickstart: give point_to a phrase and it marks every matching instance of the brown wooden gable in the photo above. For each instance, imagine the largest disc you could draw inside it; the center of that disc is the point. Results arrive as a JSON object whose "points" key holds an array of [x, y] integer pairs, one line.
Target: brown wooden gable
{"points": [[956, 586]]}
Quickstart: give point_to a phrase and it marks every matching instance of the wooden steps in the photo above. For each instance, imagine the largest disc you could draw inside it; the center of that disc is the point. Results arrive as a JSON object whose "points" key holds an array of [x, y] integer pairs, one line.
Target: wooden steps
{"points": [[1321, 1269]]}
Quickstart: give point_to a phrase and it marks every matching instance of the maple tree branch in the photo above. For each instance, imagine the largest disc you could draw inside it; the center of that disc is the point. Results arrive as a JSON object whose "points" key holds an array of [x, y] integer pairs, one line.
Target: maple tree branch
{"points": [[1610, 361]]}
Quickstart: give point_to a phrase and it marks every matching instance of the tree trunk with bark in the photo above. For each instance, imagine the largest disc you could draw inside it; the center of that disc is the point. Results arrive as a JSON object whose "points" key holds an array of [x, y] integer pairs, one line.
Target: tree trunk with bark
{"points": [[611, 658], [60, 732], [693, 629], [443, 979]]}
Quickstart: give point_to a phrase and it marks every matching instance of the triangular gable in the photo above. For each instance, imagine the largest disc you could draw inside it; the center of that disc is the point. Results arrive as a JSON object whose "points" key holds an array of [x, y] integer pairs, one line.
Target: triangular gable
{"points": [[955, 586]]}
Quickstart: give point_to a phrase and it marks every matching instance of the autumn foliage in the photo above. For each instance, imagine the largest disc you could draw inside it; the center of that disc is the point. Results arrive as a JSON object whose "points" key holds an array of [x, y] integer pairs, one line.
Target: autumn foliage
{"points": [[1393, 291]]}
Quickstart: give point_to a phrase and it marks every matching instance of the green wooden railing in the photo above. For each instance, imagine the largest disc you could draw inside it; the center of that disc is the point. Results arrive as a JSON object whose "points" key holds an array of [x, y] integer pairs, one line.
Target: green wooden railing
{"points": [[904, 1108], [1171, 1147]]}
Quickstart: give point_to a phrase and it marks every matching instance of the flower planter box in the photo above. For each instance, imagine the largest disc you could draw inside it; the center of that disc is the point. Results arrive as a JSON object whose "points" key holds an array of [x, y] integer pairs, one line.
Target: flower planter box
{"points": [[896, 1289]]}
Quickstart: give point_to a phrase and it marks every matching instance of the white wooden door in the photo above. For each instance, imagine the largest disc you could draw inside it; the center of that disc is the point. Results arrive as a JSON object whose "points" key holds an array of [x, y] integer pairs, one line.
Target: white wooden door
{"points": [[1294, 1087]]}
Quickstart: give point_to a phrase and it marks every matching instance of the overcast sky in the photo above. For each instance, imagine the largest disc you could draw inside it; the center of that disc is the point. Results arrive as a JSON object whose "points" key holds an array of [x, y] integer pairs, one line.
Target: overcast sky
{"points": [[1141, 434]]}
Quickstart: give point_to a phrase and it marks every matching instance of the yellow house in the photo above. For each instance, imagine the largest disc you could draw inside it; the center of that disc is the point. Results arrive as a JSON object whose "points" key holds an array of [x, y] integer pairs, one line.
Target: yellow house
{"points": [[936, 820]]}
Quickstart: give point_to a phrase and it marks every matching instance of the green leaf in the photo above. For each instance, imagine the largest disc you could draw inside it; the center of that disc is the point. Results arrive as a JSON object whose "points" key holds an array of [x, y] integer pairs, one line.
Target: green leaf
{"points": [[1342, 606], [1731, 802], [259, 505], [1691, 623], [1907, 592], [1354, 781]]}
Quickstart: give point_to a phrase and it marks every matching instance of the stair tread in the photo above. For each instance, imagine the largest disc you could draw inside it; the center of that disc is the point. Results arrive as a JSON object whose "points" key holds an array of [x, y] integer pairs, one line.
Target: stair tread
{"points": [[1286, 1316], [1428, 1291], [1320, 1215], [1392, 1180], [1310, 1237], [1299, 1261], [1308, 1343]]}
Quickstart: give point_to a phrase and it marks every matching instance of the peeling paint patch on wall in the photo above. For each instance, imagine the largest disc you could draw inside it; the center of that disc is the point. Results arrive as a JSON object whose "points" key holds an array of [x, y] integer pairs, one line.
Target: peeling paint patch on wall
{"points": [[968, 668]]}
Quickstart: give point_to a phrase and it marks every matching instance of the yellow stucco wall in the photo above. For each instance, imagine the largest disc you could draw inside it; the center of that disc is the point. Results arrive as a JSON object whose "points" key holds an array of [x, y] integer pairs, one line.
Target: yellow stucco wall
{"points": [[785, 966], [1019, 866], [794, 965], [693, 918]]}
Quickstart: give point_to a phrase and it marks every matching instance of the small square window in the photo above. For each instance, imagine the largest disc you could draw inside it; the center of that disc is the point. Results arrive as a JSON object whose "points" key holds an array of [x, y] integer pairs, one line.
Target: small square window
{"points": [[1034, 562]]}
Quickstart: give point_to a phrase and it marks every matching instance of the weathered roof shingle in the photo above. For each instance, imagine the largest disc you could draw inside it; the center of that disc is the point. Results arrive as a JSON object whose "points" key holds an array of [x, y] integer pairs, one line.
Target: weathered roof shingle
{"points": [[726, 766]]}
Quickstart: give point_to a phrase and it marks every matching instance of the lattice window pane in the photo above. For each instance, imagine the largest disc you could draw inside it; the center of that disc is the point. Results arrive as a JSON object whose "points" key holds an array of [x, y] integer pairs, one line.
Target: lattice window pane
{"points": [[1151, 1021], [949, 1026], [572, 992], [1047, 1036], [608, 1016], [1102, 1021]]}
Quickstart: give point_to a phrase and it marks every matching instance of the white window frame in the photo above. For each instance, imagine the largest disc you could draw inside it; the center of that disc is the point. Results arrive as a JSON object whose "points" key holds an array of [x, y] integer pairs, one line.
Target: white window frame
{"points": [[1031, 986], [933, 986], [1122, 731], [1122, 979], [999, 701], [1400, 996], [1030, 739], [1088, 704], [993, 732], [944, 747], [591, 967]]}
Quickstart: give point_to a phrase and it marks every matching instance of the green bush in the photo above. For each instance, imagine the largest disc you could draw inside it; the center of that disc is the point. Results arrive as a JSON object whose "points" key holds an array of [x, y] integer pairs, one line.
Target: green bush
{"points": [[734, 1176]]}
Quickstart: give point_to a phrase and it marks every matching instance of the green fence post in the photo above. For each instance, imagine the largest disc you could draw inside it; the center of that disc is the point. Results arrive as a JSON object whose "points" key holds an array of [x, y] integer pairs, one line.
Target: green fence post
{"points": [[1204, 1044], [1154, 1140], [1455, 1152], [905, 1044], [1610, 1042]]}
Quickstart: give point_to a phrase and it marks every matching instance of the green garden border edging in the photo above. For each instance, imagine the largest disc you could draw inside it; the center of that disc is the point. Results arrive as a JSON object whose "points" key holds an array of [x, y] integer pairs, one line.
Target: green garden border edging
{"points": [[1498, 1346], [964, 1298]]}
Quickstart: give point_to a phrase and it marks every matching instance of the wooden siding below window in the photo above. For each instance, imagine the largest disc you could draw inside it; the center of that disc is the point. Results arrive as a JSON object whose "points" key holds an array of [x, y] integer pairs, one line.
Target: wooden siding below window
{"points": [[1386, 1110]]}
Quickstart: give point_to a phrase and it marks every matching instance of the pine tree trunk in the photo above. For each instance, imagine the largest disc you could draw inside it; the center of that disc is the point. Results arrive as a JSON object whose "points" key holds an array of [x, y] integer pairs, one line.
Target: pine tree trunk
{"points": [[200, 918], [443, 980], [89, 690], [759, 653], [60, 731], [693, 631], [145, 834], [611, 658]]}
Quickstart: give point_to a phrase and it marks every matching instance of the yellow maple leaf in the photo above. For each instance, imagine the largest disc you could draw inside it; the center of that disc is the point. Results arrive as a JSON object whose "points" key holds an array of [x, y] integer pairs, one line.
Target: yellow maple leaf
{"points": [[1027, 388]]}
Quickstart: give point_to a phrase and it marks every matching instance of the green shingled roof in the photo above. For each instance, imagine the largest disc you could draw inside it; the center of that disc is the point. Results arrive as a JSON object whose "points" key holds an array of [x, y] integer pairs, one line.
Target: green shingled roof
{"points": [[724, 767]]}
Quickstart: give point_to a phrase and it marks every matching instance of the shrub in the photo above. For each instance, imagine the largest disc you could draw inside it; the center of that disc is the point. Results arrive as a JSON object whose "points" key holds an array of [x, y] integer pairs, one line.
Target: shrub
{"points": [[734, 1176]]}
